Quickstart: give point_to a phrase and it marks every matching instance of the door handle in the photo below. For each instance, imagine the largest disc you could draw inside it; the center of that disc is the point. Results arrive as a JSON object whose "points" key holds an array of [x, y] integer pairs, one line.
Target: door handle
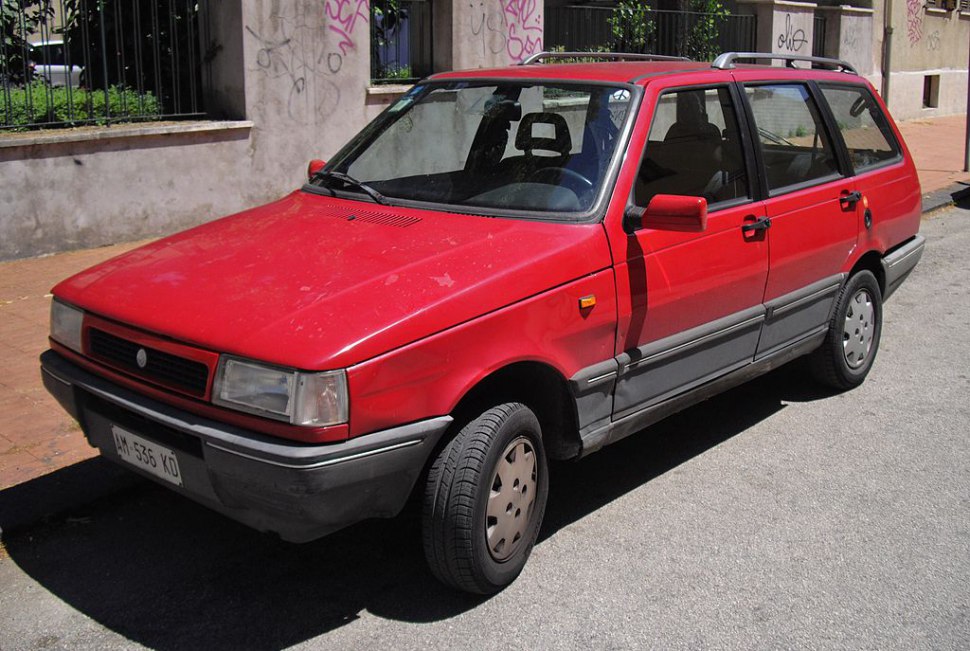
{"points": [[762, 224], [850, 199]]}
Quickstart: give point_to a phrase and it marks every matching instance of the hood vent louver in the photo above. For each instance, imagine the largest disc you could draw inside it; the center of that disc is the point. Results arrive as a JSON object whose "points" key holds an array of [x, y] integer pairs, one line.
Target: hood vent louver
{"points": [[384, 219]]}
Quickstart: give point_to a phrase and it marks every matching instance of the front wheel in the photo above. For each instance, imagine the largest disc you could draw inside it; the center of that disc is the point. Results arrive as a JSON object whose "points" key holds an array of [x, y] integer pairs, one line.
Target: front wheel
{"points": [[484, 500], [849, 349]]}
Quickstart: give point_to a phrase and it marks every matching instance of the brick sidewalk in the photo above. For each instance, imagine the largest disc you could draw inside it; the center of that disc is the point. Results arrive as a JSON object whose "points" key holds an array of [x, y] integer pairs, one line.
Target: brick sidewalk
{"points": [[937, 146], [37, 437]]}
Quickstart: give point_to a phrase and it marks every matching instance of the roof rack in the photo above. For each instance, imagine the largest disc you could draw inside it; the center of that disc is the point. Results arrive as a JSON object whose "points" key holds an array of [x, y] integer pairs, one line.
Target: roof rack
{"points": [[726, 60], [620, 56]]}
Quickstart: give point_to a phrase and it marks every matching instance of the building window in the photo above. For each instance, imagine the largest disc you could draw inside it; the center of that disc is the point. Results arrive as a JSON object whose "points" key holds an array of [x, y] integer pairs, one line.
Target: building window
{"points": [[931, 91], [401, 46]]}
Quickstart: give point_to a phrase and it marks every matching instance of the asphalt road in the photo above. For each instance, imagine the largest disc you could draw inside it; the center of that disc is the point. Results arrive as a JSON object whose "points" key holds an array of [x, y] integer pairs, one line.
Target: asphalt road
{"points": [[772, 516]]}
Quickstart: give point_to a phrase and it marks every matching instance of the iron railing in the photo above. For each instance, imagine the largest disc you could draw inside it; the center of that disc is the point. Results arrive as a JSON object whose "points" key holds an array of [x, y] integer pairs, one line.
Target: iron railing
{"points": [[401, 44], [699, 36], [77, 62]]}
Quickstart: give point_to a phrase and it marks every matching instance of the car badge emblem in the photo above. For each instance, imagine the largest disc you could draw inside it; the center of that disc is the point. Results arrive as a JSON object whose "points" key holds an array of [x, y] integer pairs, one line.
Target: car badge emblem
{"points": [[141, 357]]}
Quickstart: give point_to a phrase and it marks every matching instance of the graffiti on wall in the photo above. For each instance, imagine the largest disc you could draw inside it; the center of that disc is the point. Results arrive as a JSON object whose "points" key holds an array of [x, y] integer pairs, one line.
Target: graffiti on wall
{"points": [[849, 40], [346, 16], [914, 21], [293, 47], [488, 27], [525, 29], [512, 26], [793, 38]]}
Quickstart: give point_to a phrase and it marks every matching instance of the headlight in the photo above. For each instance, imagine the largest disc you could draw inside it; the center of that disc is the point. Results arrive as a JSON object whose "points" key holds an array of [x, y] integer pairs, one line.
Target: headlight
{"points": [[66, 325], [314, 399]]}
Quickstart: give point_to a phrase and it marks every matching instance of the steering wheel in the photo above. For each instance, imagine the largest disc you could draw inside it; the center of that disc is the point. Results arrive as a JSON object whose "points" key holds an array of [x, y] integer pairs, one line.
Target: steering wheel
{"points": [[571, 179]]}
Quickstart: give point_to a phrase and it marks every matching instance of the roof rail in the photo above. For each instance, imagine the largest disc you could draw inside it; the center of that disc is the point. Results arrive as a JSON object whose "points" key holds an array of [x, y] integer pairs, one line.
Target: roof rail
{"points": [[726, 61], [620, 56]]}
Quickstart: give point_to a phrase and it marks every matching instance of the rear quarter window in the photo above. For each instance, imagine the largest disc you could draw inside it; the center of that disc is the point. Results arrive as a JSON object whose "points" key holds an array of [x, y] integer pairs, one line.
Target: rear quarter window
{"points": [[864, 127]]}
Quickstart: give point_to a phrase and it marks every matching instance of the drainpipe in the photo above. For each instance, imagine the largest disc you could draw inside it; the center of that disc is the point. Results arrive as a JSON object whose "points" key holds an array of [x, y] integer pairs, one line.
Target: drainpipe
{"points": [[966, 150], [887, 48]]}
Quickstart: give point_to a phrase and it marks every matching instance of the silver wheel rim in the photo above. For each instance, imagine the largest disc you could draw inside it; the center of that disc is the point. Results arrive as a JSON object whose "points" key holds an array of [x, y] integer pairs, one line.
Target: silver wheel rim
{"points": [[859, 329], [511, 498]]}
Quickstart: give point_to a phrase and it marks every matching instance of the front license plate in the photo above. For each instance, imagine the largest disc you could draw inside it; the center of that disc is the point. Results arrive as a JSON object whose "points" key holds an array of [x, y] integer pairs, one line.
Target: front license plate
{"points": [[146, 455]]}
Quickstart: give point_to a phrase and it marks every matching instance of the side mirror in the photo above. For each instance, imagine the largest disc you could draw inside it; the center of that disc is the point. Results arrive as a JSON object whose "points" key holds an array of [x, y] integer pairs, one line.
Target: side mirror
{"points": [[315, 166], [668, 212]]}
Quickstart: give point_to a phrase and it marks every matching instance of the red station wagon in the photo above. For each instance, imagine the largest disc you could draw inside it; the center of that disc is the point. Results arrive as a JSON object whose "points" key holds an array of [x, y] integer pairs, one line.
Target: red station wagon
{"points": [[507, 266]]}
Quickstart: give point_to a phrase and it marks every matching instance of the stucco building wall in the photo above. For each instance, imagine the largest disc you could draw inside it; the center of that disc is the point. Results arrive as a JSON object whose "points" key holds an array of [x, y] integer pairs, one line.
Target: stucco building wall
{"points": [[289, 81], [925, 42]]}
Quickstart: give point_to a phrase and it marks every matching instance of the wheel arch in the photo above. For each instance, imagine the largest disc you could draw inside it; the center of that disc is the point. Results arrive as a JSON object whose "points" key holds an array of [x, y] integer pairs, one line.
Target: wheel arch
{"points": [[537, 385], [871, 261]]}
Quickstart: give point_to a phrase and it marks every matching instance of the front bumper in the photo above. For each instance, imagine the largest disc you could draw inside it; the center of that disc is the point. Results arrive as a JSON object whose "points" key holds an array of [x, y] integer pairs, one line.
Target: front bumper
{"points": [[297, 490]]}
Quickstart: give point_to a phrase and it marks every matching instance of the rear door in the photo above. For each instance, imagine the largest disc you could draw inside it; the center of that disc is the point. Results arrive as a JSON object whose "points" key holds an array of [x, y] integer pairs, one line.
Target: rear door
{"points": [[810, 205], [889, 210]]}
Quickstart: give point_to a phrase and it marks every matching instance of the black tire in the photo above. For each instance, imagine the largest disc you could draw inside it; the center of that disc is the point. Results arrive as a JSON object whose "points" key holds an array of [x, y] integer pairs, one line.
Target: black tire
{"points": [[845, 357], [462, 541]]}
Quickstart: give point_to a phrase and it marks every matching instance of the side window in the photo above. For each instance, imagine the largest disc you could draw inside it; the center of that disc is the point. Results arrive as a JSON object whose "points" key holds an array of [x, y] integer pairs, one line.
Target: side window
{"points": [[864, 127], [693, 149], [794, 143]]}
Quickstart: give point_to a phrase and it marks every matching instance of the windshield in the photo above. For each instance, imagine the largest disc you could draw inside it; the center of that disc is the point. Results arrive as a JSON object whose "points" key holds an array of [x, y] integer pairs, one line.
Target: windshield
{"points": [[511, 146]]}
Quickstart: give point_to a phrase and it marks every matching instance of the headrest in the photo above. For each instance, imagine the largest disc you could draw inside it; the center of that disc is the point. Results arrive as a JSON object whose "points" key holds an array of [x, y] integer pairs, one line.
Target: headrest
{"points": [[560, 144]]}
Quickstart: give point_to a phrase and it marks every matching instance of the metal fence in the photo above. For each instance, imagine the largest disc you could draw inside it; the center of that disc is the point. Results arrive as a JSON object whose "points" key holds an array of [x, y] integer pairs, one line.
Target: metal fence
{"points": [[401, 44], [678, 33], [77, 62]]}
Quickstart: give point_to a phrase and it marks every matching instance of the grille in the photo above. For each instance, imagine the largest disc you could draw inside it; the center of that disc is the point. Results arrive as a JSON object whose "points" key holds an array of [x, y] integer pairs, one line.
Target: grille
{"points": [[161, 367]]}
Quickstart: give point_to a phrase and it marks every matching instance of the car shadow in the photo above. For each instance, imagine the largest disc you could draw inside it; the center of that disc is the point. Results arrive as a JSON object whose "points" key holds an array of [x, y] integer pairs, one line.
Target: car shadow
{"points": [[169, 574], [961, 197]]}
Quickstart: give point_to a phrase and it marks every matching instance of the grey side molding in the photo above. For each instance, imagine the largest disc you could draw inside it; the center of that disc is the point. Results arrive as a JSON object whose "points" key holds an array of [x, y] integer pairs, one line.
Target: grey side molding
{"points": [[900, 262]]}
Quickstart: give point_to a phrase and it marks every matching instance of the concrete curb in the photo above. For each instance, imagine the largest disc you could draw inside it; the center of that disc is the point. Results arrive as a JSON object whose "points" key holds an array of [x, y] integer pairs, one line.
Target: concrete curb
{"points": [[942, 198], [75, 487]]}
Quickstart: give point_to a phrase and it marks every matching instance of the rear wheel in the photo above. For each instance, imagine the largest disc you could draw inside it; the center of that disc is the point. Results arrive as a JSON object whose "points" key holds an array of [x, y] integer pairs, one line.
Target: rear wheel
{"points": [[484, 500], [846, 356]]}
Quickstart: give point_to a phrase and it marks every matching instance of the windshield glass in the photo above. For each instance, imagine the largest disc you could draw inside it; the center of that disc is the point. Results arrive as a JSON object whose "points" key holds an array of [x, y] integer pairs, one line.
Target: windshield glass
{"points": [[522, 146]]}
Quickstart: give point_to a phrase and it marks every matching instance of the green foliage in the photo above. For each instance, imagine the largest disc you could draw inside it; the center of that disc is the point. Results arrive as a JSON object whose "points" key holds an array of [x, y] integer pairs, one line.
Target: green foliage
{"points": [[40, 103], [632, 25], [598, 48], [396, 72], [701, 43], [633, 28], [18, 20]]}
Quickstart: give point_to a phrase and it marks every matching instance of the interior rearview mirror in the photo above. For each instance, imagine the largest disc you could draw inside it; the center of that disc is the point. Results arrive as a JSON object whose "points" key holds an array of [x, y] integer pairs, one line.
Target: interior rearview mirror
{"points": [[668, 212]]}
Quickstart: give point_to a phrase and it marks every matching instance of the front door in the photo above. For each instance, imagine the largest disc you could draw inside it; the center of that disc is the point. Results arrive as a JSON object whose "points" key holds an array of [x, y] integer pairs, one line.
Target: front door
{"points": [[690, 304]]}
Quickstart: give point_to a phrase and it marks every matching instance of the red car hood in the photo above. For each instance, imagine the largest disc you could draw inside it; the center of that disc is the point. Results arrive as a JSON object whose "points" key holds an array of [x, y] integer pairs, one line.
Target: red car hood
{"points": [[317, 283]]}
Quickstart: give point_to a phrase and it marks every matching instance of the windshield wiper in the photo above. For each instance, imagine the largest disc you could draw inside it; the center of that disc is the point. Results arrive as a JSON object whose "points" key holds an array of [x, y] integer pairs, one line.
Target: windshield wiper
{"points": [[349, 180]]}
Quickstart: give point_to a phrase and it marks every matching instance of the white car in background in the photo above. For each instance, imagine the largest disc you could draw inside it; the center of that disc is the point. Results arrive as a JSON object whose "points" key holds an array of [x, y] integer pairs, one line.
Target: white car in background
{"points": [[50, 63]]}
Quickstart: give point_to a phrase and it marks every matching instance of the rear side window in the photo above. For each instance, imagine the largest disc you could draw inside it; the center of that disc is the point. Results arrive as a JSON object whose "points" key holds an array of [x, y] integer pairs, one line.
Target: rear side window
{"points": [[864, 127], [694, 149], [795, 146]]}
